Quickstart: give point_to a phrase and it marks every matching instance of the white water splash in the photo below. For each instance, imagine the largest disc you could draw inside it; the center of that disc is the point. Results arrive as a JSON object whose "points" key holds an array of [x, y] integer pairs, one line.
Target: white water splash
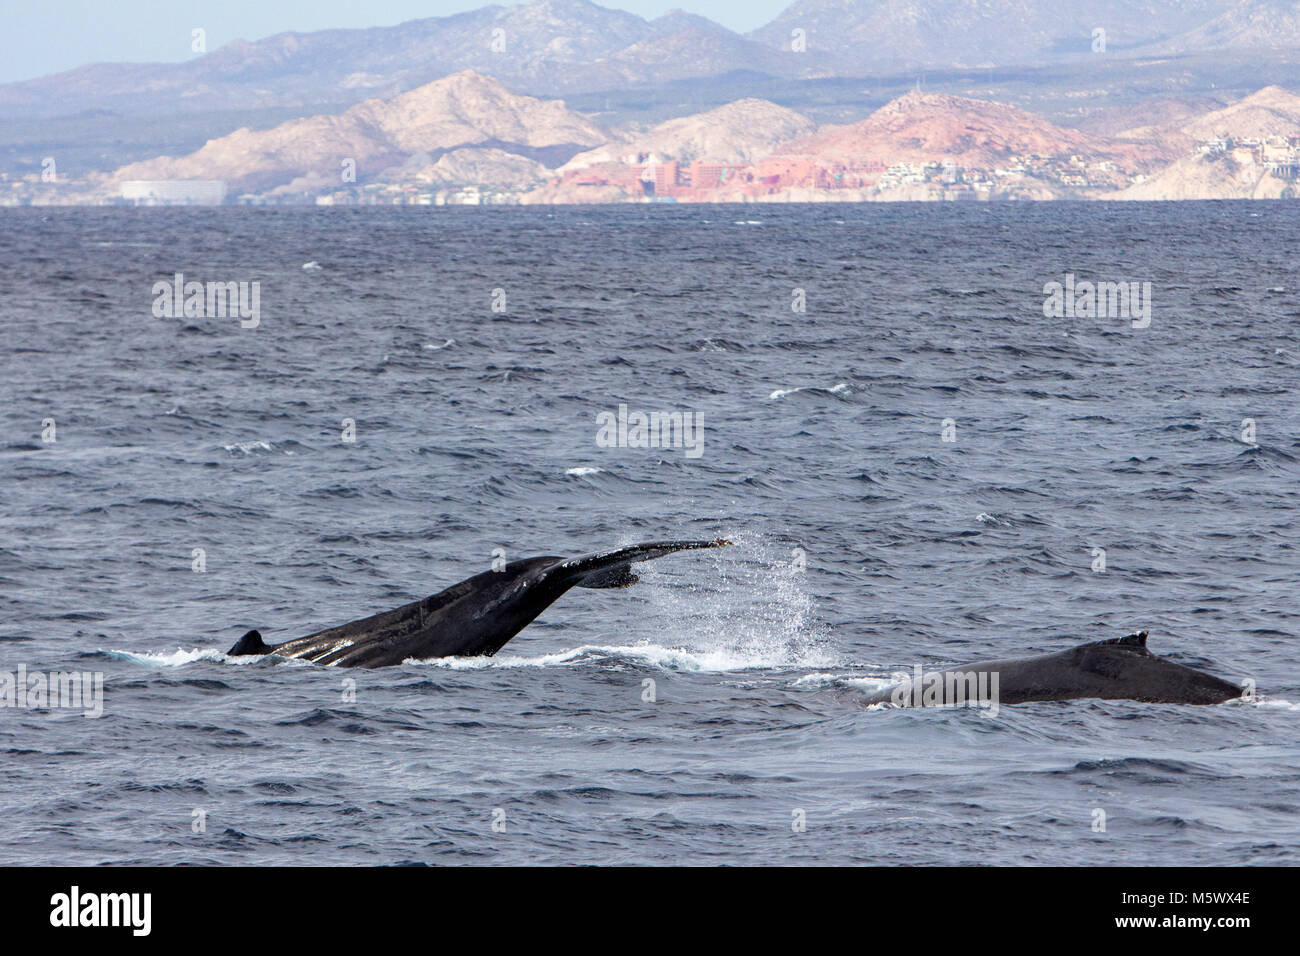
{"points": [[653, 655], [842, 679], [248, 447], [177, 658], [841, 388], [1273, 703], [751, 608]]}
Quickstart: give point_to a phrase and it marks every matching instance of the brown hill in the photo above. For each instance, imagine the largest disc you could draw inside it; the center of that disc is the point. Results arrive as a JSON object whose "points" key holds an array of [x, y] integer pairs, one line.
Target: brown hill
{"points": [[1240, 174], [464, 109], [1218, 176], [738, 132], [472, 166], [932, 127], [1272, 111], [1163, 111]]}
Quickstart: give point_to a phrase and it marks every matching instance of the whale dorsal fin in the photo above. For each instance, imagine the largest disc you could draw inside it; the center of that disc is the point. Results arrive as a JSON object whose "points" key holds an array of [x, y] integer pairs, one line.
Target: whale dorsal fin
{"points": [[250, 643], [1099, 659], [1136, 639]]}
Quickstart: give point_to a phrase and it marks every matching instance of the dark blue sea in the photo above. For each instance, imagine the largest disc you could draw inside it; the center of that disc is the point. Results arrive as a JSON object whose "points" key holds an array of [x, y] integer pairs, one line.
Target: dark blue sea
{"points": [[472, 349]]}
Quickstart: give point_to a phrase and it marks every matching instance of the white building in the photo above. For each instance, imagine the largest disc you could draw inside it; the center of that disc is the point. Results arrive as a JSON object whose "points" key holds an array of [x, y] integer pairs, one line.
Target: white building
{"points": [[175, 192]]}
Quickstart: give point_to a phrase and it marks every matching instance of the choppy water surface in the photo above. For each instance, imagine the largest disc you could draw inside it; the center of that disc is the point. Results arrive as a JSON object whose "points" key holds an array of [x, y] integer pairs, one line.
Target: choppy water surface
{"points": [[475, 431]]}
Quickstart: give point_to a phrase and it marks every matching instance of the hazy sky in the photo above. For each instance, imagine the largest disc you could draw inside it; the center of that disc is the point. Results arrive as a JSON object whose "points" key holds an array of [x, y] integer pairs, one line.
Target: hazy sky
{"points": [[48, 36]]}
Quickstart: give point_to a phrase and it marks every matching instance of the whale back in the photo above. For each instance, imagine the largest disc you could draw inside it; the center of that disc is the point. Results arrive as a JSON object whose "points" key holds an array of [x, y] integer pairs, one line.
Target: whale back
{"points": [[1115, 669], [1123, 668]]}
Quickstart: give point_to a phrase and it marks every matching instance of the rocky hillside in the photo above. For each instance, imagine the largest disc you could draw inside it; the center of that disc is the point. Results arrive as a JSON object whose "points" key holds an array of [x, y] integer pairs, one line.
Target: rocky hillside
{"points": [[464, 109], [1237, 173], [738, 132], [472, 166], [1218, 176], [1272, 111], [1245, 25], [934, 127], [468, 130]]}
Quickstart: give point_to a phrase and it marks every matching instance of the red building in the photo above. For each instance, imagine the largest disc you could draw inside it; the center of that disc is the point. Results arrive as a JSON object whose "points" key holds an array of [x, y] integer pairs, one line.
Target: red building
{"points": [[709, 175], [664, 175]]}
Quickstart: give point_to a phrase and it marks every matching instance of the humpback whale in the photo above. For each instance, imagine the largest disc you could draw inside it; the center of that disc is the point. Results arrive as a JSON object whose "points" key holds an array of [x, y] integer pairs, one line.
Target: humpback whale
{"points": [[473, 618], [1117, 669]]}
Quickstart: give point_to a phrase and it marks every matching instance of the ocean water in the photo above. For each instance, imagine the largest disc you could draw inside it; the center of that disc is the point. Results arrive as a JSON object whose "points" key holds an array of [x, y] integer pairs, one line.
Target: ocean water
{"points": [[865, 542]]}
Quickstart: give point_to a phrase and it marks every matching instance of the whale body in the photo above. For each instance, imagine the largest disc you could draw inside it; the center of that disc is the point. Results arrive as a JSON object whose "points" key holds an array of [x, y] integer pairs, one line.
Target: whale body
{"points": [[473, 618], [1117, 669]]}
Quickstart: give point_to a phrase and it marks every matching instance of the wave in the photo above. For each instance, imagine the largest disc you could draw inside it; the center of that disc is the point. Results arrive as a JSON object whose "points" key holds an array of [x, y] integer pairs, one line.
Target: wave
{"points": [[841, 388]]}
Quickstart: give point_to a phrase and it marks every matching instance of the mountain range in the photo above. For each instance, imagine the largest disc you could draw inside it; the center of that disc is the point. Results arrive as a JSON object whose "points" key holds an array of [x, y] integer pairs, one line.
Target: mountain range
{"points": [[553, 47], [549, 46]]}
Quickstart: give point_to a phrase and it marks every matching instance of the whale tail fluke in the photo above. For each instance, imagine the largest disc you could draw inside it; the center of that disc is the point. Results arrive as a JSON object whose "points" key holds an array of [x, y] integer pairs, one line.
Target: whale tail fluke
{"points": [[251, 643], [613, 569], [619, 576], [473, 618]]}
